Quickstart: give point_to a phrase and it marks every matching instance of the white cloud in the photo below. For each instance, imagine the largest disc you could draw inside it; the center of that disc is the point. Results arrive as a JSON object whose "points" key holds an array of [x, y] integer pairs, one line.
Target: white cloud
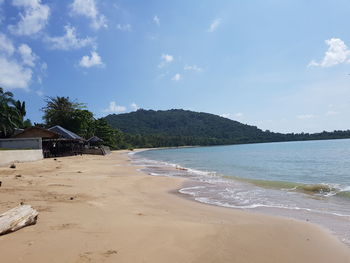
{"points": [[229, 115], [306, 116], [156, 20], [40, 93], [114, 108], [89, 9], [331, 113], [126, 27], [13, 74], [177, 77], [33, 20], [6, 45], [93, 60], [28, 57], [214, 25], [337, 53], [134, 106], [165, 59], [16, 64], [193, 68], [226, 115], [69, 40], [239, 115]]}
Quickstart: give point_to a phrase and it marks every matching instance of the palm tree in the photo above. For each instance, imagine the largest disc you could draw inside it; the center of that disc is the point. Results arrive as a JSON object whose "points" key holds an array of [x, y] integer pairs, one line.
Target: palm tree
{"points": [[21, 108], [10, 118], [59, 110]]}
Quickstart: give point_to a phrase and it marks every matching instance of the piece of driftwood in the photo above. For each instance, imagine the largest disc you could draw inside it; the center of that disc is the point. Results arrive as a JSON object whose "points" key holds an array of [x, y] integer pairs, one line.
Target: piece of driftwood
{"points": [[16, 218]]}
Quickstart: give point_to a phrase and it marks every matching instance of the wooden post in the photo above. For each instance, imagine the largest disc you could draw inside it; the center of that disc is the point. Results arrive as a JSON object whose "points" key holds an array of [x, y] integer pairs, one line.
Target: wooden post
{"points": [[16, 218]]}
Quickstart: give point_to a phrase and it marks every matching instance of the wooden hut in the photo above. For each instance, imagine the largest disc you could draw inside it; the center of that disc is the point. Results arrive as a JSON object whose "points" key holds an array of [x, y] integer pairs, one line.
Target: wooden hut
{"points": [[56, 141], [95, 141], [69, 143], [37, 132]]}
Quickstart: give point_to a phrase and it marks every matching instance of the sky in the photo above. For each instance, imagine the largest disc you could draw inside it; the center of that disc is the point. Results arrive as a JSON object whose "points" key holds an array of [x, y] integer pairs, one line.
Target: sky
{"points": [[280, 65]]}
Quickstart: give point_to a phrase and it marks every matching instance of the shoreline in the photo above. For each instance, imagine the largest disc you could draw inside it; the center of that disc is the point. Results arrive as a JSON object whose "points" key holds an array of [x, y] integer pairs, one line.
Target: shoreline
{"points": [[334, 222], [122, 215]]}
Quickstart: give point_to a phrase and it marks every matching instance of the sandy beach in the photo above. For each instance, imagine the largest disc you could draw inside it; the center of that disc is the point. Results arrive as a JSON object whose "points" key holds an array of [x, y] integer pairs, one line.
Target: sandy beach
{"points": [[102, 209]]}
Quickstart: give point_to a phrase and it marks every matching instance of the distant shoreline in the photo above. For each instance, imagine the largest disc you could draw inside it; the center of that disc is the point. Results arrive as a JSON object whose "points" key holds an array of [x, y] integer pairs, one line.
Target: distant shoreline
{"points": [[218, 145]]}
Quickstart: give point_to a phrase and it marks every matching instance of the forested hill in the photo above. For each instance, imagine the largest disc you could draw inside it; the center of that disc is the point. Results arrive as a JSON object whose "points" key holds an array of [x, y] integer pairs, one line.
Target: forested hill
{"points": [[183, 127], [181, 123]]}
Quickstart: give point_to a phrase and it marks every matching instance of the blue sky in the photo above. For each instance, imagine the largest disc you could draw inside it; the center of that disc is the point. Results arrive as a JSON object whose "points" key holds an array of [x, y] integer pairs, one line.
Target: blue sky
{"points": [[279, 65]]}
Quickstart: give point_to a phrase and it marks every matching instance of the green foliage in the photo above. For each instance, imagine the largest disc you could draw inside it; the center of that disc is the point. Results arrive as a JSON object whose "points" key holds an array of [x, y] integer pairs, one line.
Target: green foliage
{"points": [[11, 117], [21, 108], [68, 114], [27, 123], [148, 128], [82, 122], [145, 128], [59, 111], [111, 137], [180, 127]]}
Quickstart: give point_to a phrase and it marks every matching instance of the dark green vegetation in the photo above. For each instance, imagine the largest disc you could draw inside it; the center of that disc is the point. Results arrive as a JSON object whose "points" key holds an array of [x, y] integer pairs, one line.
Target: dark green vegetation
{"points": [[144, 128], [12, 113], [69, 114], [148, 128], [75, 117]]}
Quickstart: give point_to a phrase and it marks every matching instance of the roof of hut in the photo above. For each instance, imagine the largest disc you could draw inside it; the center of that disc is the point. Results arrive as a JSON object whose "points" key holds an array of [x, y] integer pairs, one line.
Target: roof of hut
{"points": [[95, 139], [35, 131], [65, 133]]}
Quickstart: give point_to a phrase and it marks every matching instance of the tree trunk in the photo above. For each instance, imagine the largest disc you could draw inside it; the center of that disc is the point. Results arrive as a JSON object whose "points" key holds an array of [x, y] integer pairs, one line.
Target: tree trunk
{"points": [[16, 218]]}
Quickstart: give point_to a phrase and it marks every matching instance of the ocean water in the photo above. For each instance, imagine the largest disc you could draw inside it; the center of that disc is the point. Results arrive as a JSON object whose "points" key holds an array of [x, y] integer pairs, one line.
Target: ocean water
{"points": [[304, 180]]}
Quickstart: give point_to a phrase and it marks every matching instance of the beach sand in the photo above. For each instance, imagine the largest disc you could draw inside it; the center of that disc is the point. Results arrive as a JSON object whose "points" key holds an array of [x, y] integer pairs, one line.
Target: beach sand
{"points": [[119, 214]]}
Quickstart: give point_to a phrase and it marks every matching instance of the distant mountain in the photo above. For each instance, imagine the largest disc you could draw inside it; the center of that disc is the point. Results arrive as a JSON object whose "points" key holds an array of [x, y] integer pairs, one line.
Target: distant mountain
{"points": [[183, 127]]}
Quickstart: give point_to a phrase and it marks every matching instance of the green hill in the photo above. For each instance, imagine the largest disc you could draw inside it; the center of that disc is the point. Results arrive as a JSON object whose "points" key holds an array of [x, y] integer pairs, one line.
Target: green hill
{"points": [[149, 128], [181, 123]]}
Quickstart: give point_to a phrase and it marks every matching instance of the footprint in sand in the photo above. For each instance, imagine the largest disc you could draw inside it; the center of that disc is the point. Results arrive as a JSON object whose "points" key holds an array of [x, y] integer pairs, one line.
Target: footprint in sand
{"points": [[95, 257], [64, 226]]}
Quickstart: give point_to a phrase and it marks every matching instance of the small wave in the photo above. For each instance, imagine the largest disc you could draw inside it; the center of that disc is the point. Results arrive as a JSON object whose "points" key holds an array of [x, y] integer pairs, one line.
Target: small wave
{"points": [[317, 188], [345, 194], [259, 205], [155, 174], [323, 189], [190, 190]]}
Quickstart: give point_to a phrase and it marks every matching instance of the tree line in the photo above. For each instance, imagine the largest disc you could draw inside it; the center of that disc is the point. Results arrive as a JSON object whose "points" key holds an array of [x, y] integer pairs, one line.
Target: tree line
{"points": [[67, 113], [144, 128]]}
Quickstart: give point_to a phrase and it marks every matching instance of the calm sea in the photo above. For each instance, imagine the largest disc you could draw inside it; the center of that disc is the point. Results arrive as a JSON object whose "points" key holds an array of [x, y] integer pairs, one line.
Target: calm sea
{"points": [[305, 180]]}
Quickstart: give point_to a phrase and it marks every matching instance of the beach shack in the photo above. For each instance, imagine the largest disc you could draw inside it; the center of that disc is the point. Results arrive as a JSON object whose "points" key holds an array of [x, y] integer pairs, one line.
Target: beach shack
{"points": [[69, 143], [95, 146], [56, 141], [95, 141], [37, 132]]}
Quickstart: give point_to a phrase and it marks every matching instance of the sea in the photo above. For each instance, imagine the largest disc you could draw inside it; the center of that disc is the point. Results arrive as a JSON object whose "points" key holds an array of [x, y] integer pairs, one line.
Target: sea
{"points": [[308, 180]]}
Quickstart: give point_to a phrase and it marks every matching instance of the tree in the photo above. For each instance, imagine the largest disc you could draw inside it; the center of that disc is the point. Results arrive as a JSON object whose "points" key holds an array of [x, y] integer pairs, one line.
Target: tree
{"points": [[10, 118], [111, 137], [27, 123], [59, 110], [82, 122], [21, 108], [69, 114]]}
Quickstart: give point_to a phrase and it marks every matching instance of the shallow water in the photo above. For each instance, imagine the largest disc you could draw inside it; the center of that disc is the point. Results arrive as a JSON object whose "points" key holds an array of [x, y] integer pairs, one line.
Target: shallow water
{"points": [[304, 180]]}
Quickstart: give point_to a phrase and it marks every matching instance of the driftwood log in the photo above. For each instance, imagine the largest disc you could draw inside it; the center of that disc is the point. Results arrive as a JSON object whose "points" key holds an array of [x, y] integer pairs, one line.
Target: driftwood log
{"points": [[16, 218]]}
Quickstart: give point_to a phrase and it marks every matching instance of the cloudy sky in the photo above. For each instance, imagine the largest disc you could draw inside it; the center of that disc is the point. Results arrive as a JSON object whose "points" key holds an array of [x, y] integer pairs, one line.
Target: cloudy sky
{"points": [[280, 65]]}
